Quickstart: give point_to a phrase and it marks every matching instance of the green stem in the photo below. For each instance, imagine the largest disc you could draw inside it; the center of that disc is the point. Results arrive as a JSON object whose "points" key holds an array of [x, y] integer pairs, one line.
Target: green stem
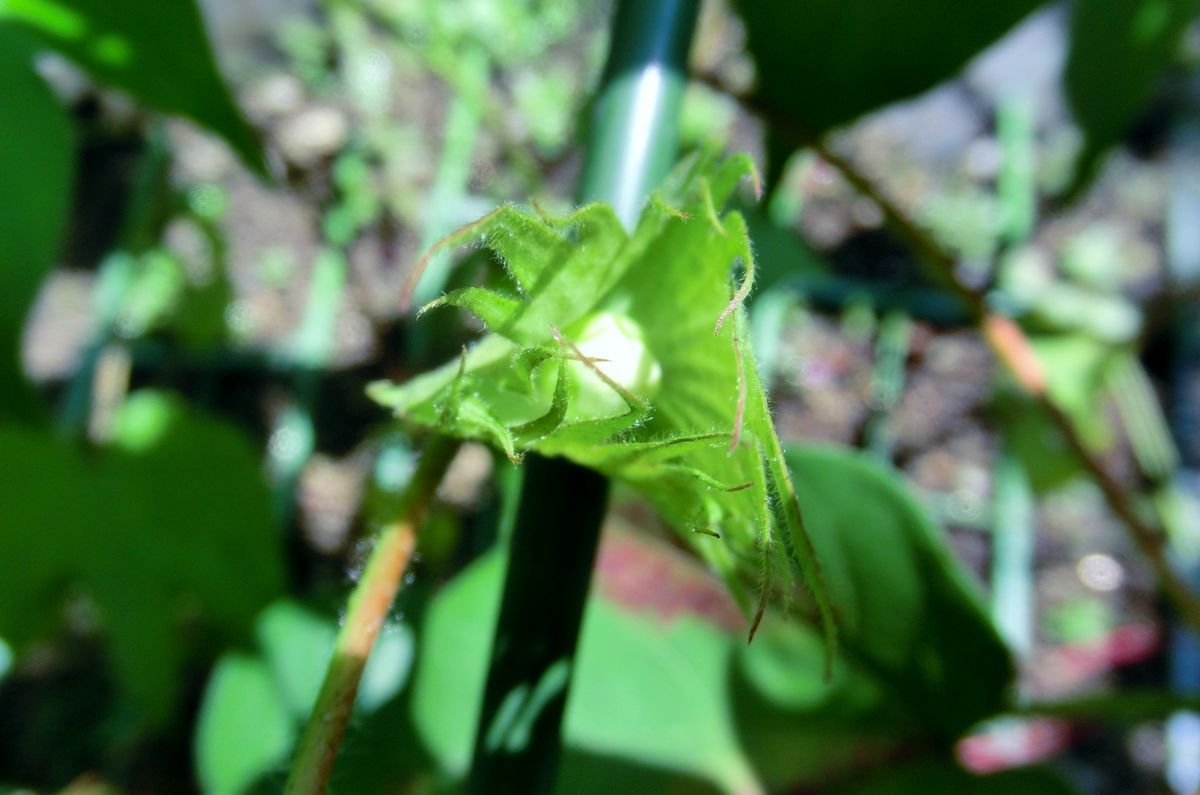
{"points": [[1014, 525], [518, 739], [892, 347], [368, 609]]}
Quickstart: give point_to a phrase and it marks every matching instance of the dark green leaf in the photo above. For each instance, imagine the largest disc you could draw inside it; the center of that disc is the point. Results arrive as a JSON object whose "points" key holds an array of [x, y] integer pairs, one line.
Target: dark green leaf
{"points": [[174, 521], [1119, 50], [822, 63], [36, 163], [157, 50], [254, 706], [921, 662], [907, 610]]}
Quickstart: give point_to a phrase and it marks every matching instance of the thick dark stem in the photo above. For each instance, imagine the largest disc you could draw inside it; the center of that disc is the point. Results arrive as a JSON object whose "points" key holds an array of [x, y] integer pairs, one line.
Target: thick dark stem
{"points": [[518, 741]]}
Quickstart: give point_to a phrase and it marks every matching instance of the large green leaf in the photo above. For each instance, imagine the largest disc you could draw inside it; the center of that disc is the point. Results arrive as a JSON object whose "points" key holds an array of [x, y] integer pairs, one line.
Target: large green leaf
{"points": [[612, 351], [908, 612], [35, 169], [822, 63], [157, 50], [920, 664], [174, 521], [665, 710], [1119, 50]]}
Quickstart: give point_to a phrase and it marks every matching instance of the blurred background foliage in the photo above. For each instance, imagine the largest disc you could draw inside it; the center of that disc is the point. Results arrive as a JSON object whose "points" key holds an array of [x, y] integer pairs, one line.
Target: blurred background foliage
{"points": [[210, 212]]}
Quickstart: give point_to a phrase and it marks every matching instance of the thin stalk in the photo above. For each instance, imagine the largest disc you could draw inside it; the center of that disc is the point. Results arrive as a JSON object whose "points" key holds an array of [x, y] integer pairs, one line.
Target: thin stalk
{"points": [[293, 436], [518, 739], [892, 346], [1013, 554], [1014, 514], [365, 617], [1013, 349]]}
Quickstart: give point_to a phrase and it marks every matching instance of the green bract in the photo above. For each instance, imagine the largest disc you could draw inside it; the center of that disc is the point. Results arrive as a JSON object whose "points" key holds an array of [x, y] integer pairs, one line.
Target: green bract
{"points": [[629, 354]]}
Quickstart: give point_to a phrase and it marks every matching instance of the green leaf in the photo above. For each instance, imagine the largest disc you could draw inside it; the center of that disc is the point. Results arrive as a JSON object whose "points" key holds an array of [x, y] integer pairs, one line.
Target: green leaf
{"points": [[1076, 367], [666, 711], [244, 729], [919, 661], [907, 610], [157, 50], [822, 63], [694, 698], [1119, 51], [174, 520], [452, 657], [661, 390], [36, 163], [297, 645], [272, 694]]}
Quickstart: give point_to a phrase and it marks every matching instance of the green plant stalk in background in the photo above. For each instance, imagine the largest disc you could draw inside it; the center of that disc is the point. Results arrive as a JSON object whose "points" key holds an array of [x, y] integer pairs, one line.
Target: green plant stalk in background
{"points": [[518, 736], [1014, 523], [369, 605]]}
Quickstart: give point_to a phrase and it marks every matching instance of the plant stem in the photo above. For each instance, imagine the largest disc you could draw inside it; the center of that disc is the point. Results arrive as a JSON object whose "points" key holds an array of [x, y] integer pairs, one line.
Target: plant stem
{"points": [[518, 738], [550, 565], [1009, 344], [368, 609]]}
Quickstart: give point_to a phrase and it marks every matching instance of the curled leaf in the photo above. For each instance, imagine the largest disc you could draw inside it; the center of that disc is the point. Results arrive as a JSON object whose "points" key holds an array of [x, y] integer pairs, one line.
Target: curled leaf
{"points": [[628, 353]]}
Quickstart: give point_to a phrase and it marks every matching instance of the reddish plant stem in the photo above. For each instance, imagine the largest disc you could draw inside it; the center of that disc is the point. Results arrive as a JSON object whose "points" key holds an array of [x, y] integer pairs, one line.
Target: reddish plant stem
{"points": [[369, 605], [1006, 340]]}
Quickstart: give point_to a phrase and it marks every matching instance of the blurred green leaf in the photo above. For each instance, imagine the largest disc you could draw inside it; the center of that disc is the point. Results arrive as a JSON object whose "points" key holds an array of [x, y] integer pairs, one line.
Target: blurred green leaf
{"points": [[1075, 367], [822, 63], [172, 521], [1043, 451], [908, 611], [36, 165], [666, 710], [277, 687], [920, 665], [669, 707], [1119, 51], [297, 645], [157, 50], [920, 662], [452, 659], [244, 729], [1083, 619]]}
